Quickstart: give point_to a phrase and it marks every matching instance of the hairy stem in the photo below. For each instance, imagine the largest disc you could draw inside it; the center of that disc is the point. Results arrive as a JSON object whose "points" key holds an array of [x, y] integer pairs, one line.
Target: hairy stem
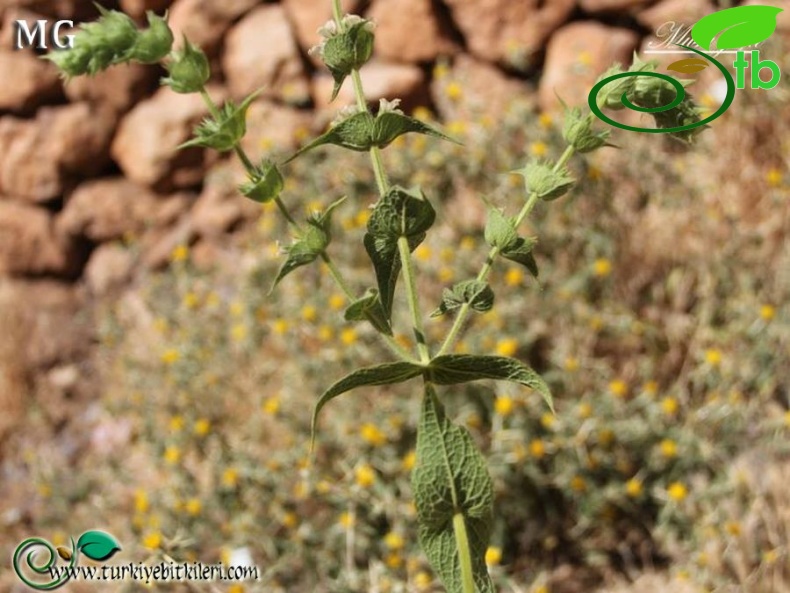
{"points": [[414, 305], [464, 310]]}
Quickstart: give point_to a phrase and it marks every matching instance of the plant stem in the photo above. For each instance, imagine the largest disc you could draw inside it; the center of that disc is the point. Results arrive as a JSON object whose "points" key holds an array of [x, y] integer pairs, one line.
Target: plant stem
{"points": [[337, 12], [464, 310], [414, 305], [334, 272], [464, 555], [375, 152]]}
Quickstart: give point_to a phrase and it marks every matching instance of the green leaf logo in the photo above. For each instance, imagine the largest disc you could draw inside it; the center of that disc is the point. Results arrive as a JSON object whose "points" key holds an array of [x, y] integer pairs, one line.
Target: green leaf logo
{"points": [[737, 27], [97, 545]]}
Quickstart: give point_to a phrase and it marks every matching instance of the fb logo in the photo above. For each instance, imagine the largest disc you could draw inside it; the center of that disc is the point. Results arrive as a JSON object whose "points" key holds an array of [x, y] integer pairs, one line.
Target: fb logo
{"points": [[733, 29]]}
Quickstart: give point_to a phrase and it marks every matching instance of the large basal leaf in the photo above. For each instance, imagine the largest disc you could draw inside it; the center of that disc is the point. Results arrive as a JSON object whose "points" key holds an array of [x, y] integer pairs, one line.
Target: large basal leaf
{"points": [[451, 369], [382, 374], [450, 483], [97, 545], [739, 26]]}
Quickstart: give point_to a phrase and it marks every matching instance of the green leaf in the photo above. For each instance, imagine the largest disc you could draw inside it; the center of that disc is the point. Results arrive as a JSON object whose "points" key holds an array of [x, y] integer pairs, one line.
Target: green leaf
{"points": [[383, 253], [478, 294], [402, 213], [499, 231], [382, 374], [399, 213], [353, 133], [223, 133], [368, 307], [451, 369], [521, 253], [300, 253], [97, 545], [264, 184], [449, 479], [545, 181], [390, 124], [739, 26]]}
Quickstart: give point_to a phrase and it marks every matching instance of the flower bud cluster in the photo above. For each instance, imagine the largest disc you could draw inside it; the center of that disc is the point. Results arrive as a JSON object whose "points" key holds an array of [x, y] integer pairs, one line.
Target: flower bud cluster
{"points": [[113, 39]]}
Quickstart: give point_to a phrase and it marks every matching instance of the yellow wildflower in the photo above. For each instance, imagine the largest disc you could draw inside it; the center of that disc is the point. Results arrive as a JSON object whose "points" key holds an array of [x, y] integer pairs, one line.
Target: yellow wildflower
{"points": [[713, 356], [190, 300], [171, 356], [514, 277], [193, 507], [393, 560], [650, 387], [677, 491], [774, 177], [202, 427], [238, 332], [309, 313], [365, 476], [545, 120], [767, 312], [504, 405], [409, 460], [538, 148], [271, 405], [372, 435], [669, 405], [176, 423], [423, 253], [172, 454], [394, 541], [141, 501], [619, 388], [668, 448], [493, 556], [585, 410], [548, 420], [537, 448], [602, 267], [180, 253], [290, 520], [280, 326], [732, 528], [422, 580], [454, 91], [152, 540], [230, 477], [507, 347], [346, 519], [348, 336], [578, 484], [634, 487]]}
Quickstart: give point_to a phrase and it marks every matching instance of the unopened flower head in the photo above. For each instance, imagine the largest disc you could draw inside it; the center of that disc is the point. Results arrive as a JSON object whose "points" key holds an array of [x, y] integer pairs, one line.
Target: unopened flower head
{"points": [[189, 69], [153, 43]]}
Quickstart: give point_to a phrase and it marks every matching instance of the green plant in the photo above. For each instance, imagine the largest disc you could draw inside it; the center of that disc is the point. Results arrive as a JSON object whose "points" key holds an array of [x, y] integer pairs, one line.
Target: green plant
{"points": [[452, 488]]}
